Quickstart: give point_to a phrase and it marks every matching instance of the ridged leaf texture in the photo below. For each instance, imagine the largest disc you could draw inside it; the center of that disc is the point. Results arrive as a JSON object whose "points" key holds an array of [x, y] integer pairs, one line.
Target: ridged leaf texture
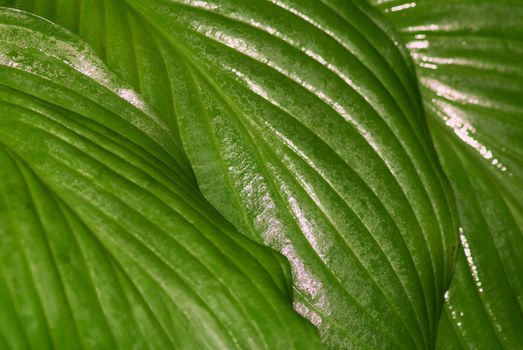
{"points": [[302, 124], [469, 61], [187, 143], [105, 241]]}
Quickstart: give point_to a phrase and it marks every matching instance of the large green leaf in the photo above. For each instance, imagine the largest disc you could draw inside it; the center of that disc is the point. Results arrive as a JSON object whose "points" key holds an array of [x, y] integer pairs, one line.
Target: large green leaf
{"points": [[304, 128], [105, 241], [469, 58]]}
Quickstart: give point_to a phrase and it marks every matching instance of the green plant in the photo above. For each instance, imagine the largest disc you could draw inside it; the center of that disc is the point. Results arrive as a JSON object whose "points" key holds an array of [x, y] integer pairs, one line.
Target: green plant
{"points": [[197, 174]]}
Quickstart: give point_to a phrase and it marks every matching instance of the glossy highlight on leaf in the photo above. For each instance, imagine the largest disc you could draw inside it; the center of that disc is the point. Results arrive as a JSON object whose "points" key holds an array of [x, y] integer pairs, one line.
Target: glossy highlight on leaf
{"points": [[302, 134], [105, 240], [468, 57], [153, 169]]}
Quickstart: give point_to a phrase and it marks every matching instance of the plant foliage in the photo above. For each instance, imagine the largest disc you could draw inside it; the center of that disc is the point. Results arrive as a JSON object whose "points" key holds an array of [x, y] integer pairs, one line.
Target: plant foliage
{"points": [[269, 174]]}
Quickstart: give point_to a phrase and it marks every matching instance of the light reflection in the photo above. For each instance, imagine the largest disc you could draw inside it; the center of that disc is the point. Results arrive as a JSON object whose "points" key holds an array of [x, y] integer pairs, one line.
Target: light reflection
{"points": [[92, 67], [428, 65], [305, 225], [464, 130], [306, 312], [402, 7], [253, 86], [456, 316], [85, 65], [81, 59], [294, 11], [131, 97], [57, 54], [7, 61], [247, 49], [202, 4], [452, 94], [417, 44], [308, 284], [446, 296], [470, 259], [441, 60], [453, 313], [426, 28]]}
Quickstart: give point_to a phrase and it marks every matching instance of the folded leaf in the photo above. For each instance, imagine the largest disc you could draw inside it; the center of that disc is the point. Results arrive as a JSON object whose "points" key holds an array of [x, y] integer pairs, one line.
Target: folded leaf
{"points": [[483, 303], [105, 241], [469, 58], [303, 127]]}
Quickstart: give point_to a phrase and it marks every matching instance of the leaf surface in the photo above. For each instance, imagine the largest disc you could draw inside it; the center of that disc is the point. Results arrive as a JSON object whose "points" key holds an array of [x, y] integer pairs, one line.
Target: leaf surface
{"points": [[304, 129], [468, 57], [105, 240]]}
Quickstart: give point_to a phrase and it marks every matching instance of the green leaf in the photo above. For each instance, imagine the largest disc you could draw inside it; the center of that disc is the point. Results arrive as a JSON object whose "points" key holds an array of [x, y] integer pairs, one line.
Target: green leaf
{"points": [[303, 126], [468, 56], [105, 241]]}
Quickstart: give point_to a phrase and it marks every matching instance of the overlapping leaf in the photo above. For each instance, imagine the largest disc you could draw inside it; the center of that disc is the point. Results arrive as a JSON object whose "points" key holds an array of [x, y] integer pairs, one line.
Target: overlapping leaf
{"points": [[105, 241], [303, 126], [469, 58]]}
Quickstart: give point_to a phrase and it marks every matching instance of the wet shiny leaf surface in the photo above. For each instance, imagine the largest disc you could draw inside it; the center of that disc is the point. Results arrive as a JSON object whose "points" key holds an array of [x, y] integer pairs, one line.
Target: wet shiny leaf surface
{"points": [[106, 241], [469, 58], [303, 126], [301, 122]]}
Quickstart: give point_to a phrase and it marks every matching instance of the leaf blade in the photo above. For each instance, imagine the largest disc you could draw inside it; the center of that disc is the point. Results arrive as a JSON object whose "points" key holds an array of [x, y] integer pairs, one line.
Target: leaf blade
{"points": [[285, 86], [468, 58], [153, 264]]}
